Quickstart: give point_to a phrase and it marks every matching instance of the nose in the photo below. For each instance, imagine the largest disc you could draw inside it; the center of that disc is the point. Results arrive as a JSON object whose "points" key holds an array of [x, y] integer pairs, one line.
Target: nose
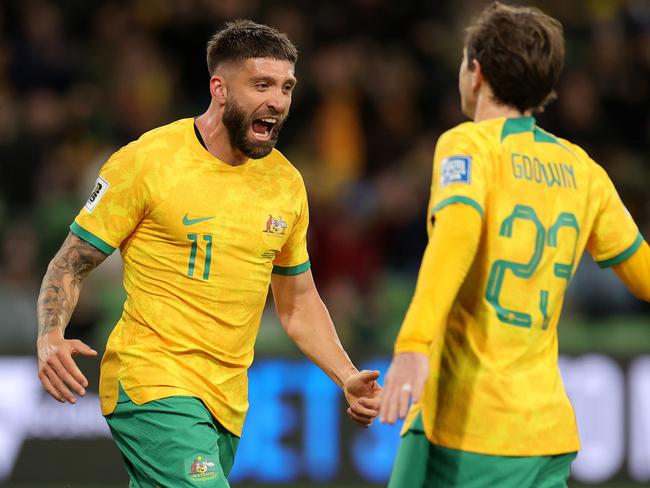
{"points": [[279, 102]]}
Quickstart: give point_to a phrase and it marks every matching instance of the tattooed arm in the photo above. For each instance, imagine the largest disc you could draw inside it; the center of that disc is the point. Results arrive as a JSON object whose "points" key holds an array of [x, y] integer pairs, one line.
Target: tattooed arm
{"points": [[56, 302]]}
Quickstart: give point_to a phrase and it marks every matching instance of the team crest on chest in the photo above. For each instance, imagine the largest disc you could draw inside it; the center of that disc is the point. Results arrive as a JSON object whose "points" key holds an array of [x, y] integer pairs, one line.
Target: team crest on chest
{"points": [[275, 232], [275, 227]]}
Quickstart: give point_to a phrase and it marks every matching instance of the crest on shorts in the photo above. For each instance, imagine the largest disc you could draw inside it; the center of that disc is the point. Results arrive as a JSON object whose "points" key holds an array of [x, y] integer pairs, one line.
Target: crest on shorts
{"points": [[202, 469], [275, 226]]}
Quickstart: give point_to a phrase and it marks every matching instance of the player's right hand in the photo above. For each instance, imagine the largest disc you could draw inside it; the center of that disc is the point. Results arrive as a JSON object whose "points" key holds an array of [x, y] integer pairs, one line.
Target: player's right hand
{"points": [[57, 370], [363, 395]]}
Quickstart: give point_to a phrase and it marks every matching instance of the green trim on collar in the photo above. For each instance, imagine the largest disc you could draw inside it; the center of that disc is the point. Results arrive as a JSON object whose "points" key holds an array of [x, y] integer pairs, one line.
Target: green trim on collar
{"points": [[517, 126]]}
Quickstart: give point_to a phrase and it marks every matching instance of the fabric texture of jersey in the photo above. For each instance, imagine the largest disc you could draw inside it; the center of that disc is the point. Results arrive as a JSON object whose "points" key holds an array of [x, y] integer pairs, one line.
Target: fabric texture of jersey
{"points": [[199, 240], [495, 386]]}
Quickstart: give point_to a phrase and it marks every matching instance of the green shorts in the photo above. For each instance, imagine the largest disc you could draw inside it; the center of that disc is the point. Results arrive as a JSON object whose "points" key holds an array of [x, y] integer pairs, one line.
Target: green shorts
{"points": [[172, 442], [421, 464]]}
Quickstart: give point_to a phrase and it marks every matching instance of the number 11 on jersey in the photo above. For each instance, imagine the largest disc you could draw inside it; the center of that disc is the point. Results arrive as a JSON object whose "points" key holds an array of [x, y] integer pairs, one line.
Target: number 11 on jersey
{"points": [[208, 254]]}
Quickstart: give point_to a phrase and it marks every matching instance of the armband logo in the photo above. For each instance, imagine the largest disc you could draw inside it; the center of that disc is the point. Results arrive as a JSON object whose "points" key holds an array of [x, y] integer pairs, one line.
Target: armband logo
{"points": [[98, 192], [456, 169]]}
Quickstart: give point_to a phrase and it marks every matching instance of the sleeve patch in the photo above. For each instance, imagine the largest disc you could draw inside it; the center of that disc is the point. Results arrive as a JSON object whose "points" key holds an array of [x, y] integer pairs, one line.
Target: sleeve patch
{"points": [[456, 169], [101, 185]]}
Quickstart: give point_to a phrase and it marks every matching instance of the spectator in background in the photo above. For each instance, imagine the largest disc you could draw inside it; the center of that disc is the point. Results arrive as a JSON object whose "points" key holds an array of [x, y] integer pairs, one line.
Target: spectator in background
{"points": [[18, 286]]}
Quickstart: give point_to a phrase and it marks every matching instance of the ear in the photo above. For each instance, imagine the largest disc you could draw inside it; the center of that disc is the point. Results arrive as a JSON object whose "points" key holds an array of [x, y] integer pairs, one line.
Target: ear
{"points": [[218, 89], [477, 75]]}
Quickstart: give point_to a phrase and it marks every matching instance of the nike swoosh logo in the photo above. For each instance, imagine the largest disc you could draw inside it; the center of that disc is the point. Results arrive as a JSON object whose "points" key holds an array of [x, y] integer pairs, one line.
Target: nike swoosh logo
{"points": [[188, 221]]}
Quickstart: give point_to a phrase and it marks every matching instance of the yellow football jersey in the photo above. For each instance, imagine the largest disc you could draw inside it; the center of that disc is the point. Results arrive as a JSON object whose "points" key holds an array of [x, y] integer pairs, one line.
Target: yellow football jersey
{"points": [[199, 239], [495, 386]]}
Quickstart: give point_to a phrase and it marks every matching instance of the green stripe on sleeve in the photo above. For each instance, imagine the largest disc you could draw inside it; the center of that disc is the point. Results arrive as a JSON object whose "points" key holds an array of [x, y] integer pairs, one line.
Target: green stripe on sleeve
{"points": [[624, 255], [292, 270], [91, 239], [458, 199]]}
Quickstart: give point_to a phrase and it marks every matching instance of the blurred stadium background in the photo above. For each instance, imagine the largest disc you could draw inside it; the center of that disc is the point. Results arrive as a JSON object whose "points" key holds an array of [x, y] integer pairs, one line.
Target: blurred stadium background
{"points": [[377, 86]]}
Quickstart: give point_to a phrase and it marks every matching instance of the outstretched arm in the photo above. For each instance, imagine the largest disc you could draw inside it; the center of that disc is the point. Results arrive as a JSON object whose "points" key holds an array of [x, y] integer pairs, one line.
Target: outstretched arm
{"points": [[635, 272], [56, 302], [307, 322], [446, 261]]}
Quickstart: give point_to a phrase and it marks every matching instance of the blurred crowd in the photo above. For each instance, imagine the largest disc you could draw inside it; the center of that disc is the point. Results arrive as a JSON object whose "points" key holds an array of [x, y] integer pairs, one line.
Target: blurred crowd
{"points": [[377, 86]]}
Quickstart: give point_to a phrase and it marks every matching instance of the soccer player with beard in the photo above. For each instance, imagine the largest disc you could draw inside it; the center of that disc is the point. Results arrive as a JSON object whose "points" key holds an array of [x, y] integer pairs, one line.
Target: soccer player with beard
{"points": [[514, 208], [206, 213]]}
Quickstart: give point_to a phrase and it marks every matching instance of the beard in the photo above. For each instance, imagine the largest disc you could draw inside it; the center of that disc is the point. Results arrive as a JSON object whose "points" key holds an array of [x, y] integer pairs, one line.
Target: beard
{"points": [[238, 124]]}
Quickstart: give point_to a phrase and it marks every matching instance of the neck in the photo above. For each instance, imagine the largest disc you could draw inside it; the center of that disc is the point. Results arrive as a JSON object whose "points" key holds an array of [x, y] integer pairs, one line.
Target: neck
{"points": [[487, 108], [215, 136]]}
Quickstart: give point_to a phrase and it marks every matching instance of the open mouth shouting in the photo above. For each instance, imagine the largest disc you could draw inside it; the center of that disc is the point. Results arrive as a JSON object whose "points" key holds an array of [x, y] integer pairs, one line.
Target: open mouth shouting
{"points": [[253, 135], [263, 128]]}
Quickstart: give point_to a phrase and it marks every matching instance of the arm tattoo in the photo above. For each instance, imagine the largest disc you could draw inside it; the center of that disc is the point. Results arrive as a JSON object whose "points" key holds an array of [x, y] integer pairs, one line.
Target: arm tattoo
{"points": [[62, 282]]}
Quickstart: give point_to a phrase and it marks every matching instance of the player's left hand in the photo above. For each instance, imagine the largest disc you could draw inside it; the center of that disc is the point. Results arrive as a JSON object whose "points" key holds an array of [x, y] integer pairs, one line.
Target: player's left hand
{"points": [[363, 394], [405, 381]]}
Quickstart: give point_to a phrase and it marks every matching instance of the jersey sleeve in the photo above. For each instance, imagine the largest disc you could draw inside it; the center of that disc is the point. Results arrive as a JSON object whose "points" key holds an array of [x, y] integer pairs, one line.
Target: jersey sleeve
{"points": [[635, 272], [445, 264], [293, 258], [458, 175], [614, 236], [116, 204]]}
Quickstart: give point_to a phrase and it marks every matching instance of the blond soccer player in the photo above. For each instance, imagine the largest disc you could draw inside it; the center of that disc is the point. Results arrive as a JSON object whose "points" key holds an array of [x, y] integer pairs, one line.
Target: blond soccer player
{"points": [[512, 210]]}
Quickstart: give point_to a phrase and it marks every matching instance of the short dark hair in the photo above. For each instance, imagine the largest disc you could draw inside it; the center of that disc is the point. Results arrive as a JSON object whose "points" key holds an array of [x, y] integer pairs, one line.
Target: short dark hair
{"points": [[521, 52], [245, 39]]}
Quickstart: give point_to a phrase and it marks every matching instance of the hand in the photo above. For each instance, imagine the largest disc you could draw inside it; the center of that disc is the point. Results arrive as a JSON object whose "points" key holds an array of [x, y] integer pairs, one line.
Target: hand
{"points": [[405, 381], [363, 395], [56, 368]]}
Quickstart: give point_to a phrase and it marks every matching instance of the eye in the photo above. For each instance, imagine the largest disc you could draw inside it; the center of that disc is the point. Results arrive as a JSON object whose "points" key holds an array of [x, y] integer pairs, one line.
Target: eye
{"points": [[261, 85], [288, 88]]}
